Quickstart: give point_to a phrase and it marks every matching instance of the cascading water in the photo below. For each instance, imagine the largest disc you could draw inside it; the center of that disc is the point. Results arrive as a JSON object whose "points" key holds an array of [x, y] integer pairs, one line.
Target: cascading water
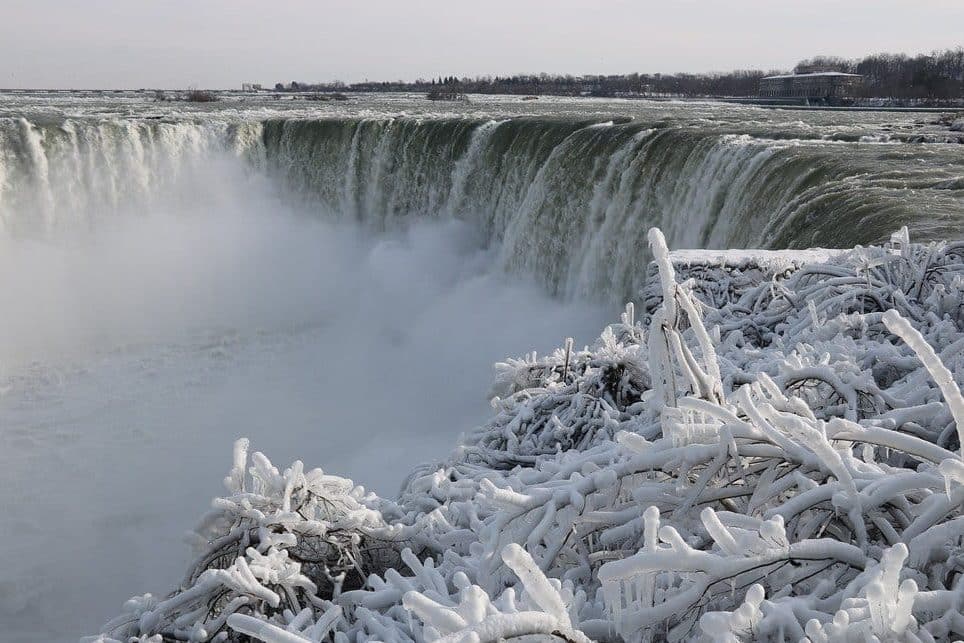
{"points": [[59, 176], [567, 201]]}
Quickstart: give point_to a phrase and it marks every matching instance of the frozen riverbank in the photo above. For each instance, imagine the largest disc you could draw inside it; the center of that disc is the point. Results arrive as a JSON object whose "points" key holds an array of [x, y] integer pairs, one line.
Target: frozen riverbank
{"points": [[762, 454]]}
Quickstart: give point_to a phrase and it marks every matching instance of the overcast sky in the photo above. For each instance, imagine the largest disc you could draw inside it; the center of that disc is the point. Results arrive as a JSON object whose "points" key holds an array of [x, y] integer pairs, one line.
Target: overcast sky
{"points": [[221, 43]]}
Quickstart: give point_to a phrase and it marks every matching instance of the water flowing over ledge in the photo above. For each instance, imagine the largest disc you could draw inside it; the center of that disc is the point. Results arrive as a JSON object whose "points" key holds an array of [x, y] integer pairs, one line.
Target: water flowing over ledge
{"points": [[770, 450], [566, 200]]}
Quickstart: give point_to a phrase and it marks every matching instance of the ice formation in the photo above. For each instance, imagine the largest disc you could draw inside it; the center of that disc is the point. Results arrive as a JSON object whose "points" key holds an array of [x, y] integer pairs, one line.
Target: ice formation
{"points": [[771, 451]]}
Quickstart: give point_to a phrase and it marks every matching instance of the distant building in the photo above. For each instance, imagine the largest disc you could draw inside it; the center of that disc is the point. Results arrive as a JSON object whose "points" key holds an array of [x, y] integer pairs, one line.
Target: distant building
{"points": [[250, 87], [819, 85]]}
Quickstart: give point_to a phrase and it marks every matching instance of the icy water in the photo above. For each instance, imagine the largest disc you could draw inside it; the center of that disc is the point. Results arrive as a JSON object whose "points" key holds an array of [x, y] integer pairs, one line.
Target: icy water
{"points": [[334, 281]]}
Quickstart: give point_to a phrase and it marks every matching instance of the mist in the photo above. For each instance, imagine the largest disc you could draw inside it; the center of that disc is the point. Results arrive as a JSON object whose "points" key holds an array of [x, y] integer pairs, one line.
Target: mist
{"points": [[136, 348]]}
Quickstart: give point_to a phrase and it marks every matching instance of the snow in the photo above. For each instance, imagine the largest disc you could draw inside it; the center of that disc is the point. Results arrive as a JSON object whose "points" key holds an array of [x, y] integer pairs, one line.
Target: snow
{"points": [[797, 477], [772, 261]]}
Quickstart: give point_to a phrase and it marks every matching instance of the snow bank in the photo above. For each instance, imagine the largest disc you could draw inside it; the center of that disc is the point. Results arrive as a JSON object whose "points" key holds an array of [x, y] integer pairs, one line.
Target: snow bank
{"points": [[764, 455], [772, 261]]}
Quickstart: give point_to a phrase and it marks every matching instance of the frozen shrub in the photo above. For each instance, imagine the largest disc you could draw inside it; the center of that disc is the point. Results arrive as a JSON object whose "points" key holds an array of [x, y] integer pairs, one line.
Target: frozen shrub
{"points": [[772, 453]]}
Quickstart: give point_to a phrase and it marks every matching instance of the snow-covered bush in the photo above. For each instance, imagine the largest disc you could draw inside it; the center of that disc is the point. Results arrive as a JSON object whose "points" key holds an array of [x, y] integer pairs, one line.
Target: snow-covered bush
{"points": [[773, 452]]}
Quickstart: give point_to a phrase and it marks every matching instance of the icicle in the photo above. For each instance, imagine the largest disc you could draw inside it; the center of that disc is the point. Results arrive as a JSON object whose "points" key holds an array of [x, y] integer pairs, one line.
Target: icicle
{"points": [[629, 316], [535, 582], [235, 479]]}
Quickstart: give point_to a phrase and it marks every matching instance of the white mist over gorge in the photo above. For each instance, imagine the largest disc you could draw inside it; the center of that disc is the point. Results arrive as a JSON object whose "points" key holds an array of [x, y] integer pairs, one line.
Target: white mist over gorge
{"points": [[758, 444]]}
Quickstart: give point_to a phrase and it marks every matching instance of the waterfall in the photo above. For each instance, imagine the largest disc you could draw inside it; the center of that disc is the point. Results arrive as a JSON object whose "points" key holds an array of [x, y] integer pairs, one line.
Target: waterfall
{"points": [[569, 202], [565, 201], [74, 173]]}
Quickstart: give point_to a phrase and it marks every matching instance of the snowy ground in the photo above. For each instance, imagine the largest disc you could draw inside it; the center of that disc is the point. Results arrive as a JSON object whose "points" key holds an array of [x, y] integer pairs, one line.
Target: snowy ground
{"points": [[143, 352]]}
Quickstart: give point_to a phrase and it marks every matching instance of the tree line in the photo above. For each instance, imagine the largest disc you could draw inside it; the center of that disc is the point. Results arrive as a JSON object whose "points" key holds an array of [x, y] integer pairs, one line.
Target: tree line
{"points": [[936, 76]]}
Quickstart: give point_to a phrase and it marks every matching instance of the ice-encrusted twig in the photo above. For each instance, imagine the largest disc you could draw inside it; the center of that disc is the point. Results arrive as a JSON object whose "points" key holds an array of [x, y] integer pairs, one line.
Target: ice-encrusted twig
{"points": [[952, 394]]}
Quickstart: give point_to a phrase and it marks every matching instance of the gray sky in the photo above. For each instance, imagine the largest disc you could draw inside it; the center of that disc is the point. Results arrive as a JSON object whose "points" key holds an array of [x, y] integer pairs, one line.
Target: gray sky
{"points": [[220, 43]]}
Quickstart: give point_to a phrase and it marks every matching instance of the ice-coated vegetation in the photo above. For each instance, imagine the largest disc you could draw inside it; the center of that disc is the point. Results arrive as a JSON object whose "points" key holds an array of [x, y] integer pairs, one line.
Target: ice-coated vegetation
{"points": [[771, 450]]}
